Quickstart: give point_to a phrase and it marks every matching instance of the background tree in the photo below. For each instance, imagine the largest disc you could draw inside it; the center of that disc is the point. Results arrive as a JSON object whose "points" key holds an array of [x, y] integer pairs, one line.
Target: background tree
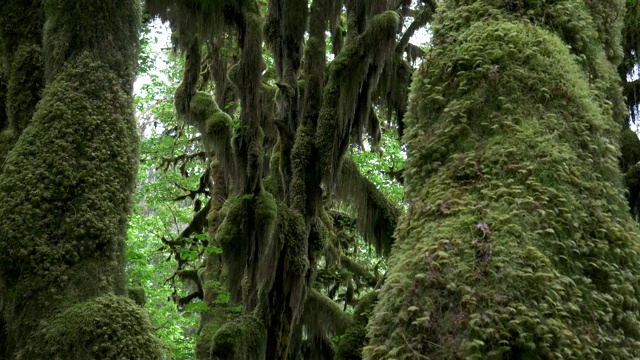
{"points": [[275, 174], [66, 184], [517, 242]]}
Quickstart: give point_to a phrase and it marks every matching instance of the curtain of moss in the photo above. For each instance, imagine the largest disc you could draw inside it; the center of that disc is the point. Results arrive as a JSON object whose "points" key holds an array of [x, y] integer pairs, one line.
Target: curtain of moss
{"points": [[65, 195], [271, 232], [517, 243]]}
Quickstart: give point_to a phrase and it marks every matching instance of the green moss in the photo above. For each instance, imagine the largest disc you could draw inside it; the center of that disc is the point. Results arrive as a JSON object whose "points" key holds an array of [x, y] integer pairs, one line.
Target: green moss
{"points": [[351, 344], [108, 30], [296, 243], [266, 213], [243, 339], [138, 295], [355, 338], [24, 86], [217, 124], [20, 46], [66, 188], [106, 327], [203, 105], [347, 93], [517, 242], [7, 140]]}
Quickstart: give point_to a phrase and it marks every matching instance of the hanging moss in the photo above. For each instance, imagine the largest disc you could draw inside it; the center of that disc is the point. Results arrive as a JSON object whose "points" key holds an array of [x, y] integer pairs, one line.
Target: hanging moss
{"points": [[107, 327], [377, 216], [360, 62], [517, 242], [323, 317]]}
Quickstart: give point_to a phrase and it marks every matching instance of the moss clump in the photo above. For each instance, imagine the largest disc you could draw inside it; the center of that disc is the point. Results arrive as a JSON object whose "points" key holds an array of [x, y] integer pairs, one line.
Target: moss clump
{"points": [[138, 295], [108, 30], [108, 327], [229, 235], [243, 339], [213, 123], [517, 243], [355, 338], [266, 213]]}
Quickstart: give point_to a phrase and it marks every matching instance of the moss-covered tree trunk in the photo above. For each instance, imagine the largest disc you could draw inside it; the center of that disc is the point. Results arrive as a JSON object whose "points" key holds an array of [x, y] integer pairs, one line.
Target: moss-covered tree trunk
{"points": [[517, 243], [21, 24], [65, 187]]}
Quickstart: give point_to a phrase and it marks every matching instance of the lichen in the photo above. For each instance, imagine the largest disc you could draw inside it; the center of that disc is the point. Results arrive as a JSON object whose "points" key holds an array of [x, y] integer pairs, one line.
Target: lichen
{"points": [[517, 242]]}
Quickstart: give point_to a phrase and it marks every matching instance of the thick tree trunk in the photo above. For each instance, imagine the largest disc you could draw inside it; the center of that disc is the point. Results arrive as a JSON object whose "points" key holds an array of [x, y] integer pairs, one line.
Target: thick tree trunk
{"points": [[65, 193], [518, 243]]}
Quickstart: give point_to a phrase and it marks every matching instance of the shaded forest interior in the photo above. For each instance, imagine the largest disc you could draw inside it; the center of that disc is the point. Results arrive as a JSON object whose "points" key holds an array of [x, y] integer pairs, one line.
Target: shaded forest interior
{"points": [[252, 200]]}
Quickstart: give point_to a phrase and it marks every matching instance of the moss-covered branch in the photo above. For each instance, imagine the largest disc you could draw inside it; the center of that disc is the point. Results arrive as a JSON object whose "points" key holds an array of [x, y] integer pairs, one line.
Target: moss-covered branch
{"points": [[353, 76], [377, 215], [323, 317]]}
